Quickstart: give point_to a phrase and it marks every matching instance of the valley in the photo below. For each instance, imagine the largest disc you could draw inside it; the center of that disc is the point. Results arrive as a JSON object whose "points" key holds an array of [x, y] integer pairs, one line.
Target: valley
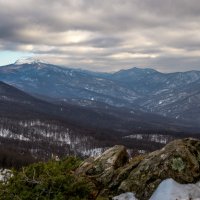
{"points": [[50, 110]]}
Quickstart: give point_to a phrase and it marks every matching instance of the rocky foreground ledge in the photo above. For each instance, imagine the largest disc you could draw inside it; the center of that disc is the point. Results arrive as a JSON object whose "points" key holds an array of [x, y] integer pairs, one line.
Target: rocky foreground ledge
{"points": [[173, 169]]}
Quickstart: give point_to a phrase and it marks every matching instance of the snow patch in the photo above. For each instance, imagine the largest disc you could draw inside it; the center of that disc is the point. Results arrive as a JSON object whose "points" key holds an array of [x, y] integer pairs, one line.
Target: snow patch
{"points": [[93, 152], [125, 196], [5, 174], [141, 151], [170, 189], [28, 61], [158, 138], [5, 133]]}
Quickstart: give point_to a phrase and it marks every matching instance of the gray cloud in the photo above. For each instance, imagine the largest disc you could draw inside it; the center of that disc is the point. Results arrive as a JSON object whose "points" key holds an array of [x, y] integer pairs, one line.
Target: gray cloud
{"points": [[105, 35]]}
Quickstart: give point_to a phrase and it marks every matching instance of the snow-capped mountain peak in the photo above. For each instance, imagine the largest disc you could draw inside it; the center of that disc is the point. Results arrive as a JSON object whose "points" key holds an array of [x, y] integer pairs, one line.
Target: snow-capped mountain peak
{"points": [[28, 61]]}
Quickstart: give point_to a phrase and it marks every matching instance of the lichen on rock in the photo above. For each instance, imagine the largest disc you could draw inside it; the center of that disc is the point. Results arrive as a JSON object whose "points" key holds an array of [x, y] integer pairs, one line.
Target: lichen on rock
{"points": [[178, 164]]}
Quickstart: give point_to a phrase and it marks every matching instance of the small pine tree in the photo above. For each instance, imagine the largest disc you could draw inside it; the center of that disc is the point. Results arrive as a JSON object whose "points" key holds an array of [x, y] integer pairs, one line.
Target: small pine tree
{"points": [[43, 181]]}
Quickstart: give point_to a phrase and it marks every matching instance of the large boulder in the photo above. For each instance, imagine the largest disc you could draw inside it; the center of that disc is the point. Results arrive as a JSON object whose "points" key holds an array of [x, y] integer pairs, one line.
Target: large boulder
{"points": [[179, 160], [111, 159], [101, 170], [113, 173]]}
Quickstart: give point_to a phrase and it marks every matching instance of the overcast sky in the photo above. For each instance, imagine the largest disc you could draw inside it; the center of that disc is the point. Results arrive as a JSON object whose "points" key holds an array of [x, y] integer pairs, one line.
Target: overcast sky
{"points": [[103, 35]]}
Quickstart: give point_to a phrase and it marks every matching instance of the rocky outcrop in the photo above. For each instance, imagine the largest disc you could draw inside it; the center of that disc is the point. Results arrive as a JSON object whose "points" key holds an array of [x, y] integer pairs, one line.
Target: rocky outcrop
{"points": [[112, 173], [114, 158], [179, 160]]}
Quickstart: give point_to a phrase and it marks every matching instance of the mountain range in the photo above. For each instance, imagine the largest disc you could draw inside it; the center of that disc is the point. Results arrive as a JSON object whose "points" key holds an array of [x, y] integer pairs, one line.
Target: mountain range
{"points": [[48, 109], [172, 95]]}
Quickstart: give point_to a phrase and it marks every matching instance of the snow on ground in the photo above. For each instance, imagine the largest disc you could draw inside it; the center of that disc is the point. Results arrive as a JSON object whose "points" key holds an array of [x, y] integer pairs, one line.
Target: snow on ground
{"points": [[171, 190], [93, 152], [125, 196], [27, 61], [163, 139], [5, 174], [5, 133]]}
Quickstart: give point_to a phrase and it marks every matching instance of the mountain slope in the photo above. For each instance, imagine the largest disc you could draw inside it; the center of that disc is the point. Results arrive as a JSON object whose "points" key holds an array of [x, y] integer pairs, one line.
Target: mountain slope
{"points": [[30, 126], [65, 83], [174, 95], [142, 91], [17, 104]]}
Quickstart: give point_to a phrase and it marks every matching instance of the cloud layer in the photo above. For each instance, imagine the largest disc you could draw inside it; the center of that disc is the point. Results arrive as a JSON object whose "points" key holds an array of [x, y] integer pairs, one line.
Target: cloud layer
{"points": [[105, 35]]}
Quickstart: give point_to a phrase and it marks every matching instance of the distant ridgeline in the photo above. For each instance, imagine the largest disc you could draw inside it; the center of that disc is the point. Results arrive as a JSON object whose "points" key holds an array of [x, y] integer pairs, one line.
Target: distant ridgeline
{"points": [[173, 95]]}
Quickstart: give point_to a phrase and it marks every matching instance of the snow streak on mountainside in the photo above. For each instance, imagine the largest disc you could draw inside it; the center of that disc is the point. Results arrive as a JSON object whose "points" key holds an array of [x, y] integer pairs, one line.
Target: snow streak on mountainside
{"points": [[28, 61], [42, 136]]}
